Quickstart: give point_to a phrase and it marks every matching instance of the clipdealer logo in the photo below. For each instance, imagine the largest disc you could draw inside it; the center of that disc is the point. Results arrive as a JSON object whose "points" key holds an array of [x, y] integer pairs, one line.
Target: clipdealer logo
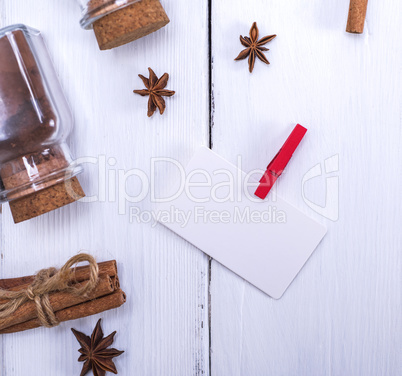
{"points": [[136, 186], [201, 215]]}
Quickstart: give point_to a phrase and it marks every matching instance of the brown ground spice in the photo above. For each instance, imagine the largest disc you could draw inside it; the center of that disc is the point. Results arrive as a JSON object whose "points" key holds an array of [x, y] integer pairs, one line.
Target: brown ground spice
{"points": [[25, 123], [29, 120]]}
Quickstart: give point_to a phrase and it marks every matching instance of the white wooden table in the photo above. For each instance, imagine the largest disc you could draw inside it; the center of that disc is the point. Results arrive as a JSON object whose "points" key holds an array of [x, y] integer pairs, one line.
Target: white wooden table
{"points": [[188, 315]]}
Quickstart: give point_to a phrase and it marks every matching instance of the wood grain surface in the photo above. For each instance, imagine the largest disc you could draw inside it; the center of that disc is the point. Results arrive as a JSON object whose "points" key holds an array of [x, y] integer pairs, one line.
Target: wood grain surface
{"points": [[186, 315], [163, 327], [341, 315]]}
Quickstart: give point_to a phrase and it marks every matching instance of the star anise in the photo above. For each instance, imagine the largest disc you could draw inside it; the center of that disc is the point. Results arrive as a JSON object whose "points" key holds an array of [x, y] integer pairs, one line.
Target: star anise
{"points": [[95, 353], [155, 89], [254, 47]]}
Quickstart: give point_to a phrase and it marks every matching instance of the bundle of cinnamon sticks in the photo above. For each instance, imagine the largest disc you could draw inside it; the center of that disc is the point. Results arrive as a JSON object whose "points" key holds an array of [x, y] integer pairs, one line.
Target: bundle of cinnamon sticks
{"points": [[66, 306]]}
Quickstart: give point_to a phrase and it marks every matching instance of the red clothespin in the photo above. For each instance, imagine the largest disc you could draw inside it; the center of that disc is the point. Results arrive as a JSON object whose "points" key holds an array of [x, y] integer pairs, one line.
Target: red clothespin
{"points": [[278, 164]]}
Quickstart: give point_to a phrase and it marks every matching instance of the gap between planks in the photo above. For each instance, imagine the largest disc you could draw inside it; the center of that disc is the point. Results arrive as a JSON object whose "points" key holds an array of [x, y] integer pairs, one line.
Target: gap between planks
{"points": [[211, 124]]}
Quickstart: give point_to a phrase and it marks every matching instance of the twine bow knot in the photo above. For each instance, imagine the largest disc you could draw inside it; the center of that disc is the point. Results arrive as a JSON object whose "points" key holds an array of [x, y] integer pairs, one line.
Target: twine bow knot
{"points": [[47, 281]]}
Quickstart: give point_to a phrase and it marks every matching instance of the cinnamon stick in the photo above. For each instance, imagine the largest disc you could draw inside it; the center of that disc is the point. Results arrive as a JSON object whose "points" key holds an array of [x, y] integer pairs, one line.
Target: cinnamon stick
{"points": [[89, 308], [59, 301], [357, 16], [116, 282], [81, 274]]}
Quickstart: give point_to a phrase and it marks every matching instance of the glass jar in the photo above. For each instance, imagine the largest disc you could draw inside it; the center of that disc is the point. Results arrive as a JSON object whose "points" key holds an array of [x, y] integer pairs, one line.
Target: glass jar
{"points": [[35, 120], [117, 22]]}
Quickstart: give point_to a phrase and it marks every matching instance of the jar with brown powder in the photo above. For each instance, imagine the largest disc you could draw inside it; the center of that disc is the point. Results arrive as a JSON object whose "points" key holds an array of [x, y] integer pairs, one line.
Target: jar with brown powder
{"points": [[117, 22], [35, 163]]}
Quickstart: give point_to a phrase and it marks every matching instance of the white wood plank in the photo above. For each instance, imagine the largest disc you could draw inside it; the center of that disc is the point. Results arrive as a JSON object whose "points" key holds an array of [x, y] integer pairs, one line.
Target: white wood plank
{"points": [[163, 327], [341, 314]]}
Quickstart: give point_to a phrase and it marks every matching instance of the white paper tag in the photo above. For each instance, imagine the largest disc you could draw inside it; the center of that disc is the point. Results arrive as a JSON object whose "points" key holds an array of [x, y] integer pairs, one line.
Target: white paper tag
{"points": [[265, 242]]}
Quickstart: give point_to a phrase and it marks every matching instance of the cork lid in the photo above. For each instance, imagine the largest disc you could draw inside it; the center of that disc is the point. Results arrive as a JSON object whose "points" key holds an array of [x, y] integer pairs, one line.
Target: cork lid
{"points": [[46, 200], [129, 23]]}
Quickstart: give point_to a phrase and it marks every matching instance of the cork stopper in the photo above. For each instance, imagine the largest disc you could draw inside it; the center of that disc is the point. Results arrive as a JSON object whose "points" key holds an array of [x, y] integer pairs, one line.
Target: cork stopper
{"points": [[129, 23], [357, 16], [46, 200], [30, 195]]}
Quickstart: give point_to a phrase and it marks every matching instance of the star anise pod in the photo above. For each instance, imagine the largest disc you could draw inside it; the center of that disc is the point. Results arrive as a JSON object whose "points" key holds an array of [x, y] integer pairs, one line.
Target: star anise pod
{"points": [[254, 47], [155, 89], [95, 353]]}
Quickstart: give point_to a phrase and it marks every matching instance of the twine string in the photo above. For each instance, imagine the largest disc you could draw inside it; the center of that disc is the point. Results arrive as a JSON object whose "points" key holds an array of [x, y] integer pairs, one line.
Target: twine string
{"points": [[47, 281]]}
